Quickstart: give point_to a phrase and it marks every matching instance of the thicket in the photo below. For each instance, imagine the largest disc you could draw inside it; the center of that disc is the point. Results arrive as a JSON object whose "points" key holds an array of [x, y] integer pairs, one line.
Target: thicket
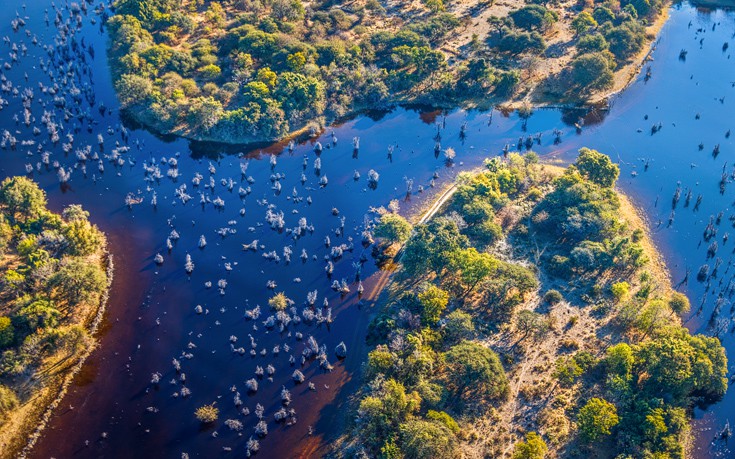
{"points": [[50, 271]]}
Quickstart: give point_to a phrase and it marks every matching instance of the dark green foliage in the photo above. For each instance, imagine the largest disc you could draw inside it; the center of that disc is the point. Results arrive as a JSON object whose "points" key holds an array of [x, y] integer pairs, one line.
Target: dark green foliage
{"points": [[593, 71], [553, 296], [597, 167], [522, 42], [626, 40], [533, 17], [474, 373], [427, 440], [592, 43], [393, 228], [7, 332], [22, 199], [432, 246]]}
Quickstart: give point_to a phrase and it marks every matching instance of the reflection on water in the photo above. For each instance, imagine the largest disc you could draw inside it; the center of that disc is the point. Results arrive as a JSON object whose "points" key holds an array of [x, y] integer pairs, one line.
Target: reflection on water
{"points": [[153, 315]]}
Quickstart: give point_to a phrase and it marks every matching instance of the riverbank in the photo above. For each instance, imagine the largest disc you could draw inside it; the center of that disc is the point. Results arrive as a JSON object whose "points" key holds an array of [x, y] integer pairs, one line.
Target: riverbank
{"points": [[24, 427], [57, 275]]}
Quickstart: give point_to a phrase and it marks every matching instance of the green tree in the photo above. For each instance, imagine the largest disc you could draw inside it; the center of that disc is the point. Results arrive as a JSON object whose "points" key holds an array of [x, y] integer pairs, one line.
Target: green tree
{"points": [[39, 314], [7, 332], [427, 440], [619, 290], [597, 167], [472, 267], [534, 17], [77, 282], [83, 238], [679, 303], [592, 71], [533, 447], [23, 199], [596, 419], [393, 228], [619, 360], [583, 23], [433, 302], [458, 327], [475, 371]]}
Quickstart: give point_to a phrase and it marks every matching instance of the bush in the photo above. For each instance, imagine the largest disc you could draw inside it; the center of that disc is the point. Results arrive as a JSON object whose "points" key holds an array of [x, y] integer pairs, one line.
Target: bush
{"points": [[619, 290], [8, 401], [393, 228], [279, 301], [533, 447], [679, 303], [553, 296], [596, 419], [593, 71], [207, 414], [433, 301], [427, 440], [474, 370], [7, 333]]}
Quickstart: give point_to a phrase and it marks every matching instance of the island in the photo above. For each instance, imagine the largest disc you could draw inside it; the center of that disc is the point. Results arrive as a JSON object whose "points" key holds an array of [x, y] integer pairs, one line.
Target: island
{"points": [[54, 277], [531, 318], [242, 72]]}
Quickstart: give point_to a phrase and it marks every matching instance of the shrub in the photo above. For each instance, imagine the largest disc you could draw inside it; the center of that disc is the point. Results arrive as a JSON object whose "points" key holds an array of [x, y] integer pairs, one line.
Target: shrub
{"points": [[393, 228], [8, 401], [533, 447], [474, 370], [679, 303], [619, 290], [596, 419], [7, 333], [279, 301], [207, 414], [433, 301], [427, 440], [553, 296]]}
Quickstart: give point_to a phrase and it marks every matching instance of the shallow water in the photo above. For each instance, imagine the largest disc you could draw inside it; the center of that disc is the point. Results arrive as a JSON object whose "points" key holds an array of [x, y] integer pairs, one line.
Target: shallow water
{"points": [[114, 411]]}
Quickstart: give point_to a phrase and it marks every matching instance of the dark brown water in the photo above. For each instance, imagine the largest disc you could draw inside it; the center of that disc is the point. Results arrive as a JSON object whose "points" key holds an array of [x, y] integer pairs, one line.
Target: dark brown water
{"points": [[113, 410]]}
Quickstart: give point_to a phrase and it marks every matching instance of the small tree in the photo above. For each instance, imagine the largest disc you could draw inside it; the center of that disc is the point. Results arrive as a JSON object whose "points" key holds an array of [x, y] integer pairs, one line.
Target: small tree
{"points": [[597, 167], [596, 419], [474, 370], [583, 22], [393, 228], [207, 414], [8, 400], [7, 333], [279, 301], [679, 303], [619, 290], [433, 302], [533, 447]]}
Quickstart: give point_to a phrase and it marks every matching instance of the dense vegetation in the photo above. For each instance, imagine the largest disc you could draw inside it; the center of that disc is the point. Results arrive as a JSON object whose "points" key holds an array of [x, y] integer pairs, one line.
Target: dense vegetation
{"points": [[470, 356], [52, 279], [242, 71]]}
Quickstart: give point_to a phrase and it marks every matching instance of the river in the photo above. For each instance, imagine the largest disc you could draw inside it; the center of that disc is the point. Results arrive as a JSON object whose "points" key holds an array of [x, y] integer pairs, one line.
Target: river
{"points": [[113, 409]]}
